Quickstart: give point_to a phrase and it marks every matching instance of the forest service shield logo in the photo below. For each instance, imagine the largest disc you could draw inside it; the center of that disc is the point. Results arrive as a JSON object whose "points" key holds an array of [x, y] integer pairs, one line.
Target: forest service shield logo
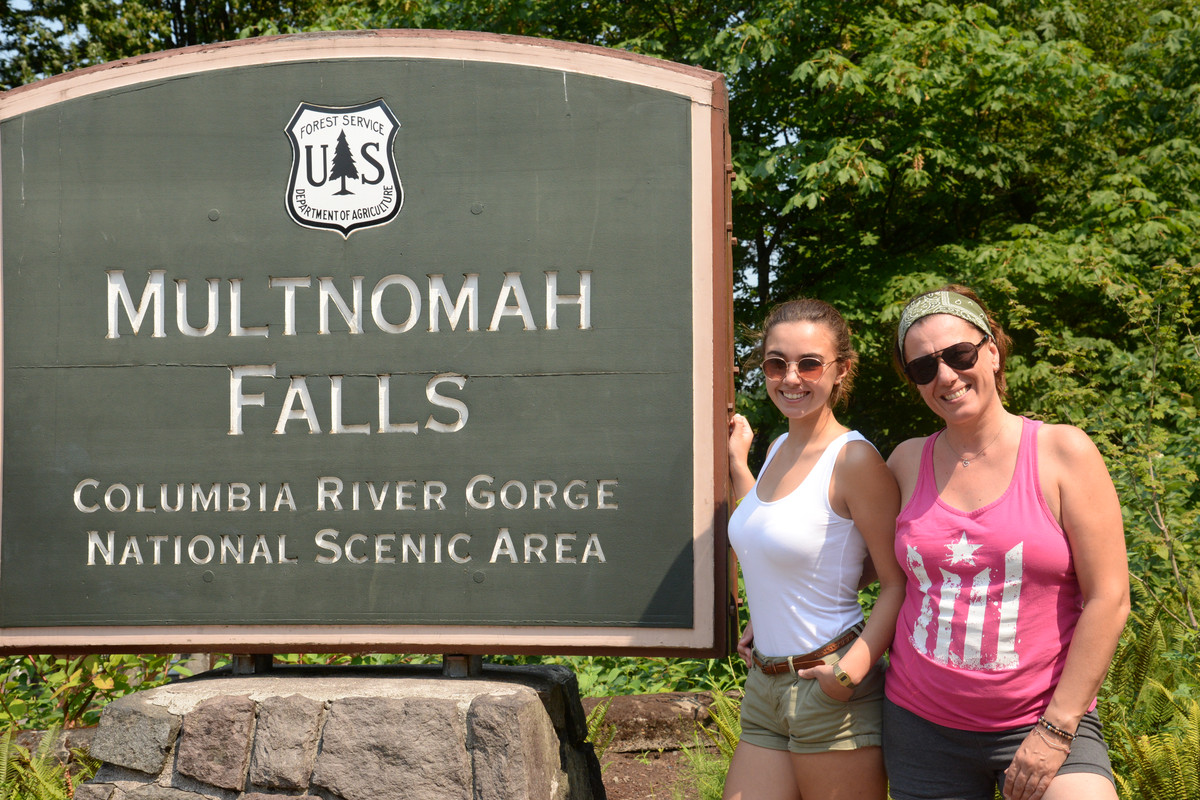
{"points": [[343, 168]]}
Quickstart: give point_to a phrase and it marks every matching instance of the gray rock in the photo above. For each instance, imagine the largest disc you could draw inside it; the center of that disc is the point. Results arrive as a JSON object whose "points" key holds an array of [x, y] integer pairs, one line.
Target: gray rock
{"points": [[561, 695], [153, 791], [214, 747], [121, 777], [94, 791], [135, 734], [68, 742], [514, 748], [585, 780], [394, 749], [388, 733], [558, 688], [285, 742]]}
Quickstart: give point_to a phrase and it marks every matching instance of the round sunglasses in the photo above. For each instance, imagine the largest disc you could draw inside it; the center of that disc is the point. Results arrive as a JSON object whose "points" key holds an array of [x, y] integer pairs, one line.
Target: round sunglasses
{"points": [[809, 369], [963, 355]]}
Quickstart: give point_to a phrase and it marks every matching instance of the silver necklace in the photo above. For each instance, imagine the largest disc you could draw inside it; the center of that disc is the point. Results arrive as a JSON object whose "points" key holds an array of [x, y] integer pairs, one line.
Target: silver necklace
{"points": [[966, 462]]}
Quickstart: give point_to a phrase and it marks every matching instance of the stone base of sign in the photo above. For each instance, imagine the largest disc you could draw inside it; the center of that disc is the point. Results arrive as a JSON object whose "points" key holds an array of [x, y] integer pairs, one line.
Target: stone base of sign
{"points": [[510, 733]]}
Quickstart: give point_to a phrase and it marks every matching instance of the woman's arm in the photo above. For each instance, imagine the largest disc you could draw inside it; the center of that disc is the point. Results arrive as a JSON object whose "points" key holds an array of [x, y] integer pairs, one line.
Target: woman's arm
{"points": [[1080, 492], [905, 464], [864, 489], [740, 438]]}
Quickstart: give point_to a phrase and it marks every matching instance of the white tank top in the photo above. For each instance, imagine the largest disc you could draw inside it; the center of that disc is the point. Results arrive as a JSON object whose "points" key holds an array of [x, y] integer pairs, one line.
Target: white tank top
{"points": [[801, 561]]}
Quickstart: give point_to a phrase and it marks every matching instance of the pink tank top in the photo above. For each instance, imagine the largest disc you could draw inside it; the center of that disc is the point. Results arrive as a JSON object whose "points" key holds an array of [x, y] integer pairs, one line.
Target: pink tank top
{"points": [[990, 606]]}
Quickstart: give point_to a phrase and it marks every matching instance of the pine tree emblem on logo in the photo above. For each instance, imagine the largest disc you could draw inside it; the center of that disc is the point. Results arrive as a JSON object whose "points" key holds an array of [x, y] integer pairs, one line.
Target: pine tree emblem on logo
{"points": [[343, 169]]}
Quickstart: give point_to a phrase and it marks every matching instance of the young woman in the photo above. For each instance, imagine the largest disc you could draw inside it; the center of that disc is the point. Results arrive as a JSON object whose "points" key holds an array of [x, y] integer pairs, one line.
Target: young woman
{"points": [[1011, 539], [822, 504]]}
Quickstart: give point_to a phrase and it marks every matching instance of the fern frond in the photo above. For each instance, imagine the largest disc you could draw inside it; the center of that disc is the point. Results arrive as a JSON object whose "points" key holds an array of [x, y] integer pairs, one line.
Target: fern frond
{"points": [[1159, 705], [36, 775], [1138, 654], [1163, 766], [600, 732], [9, 754], [726, 728], [1189, 744], [47, 776]]}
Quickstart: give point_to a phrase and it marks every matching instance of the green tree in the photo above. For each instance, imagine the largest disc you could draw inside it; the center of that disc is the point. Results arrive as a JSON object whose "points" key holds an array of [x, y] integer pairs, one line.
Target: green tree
{"points": [[40, 38], [1048, 154]]}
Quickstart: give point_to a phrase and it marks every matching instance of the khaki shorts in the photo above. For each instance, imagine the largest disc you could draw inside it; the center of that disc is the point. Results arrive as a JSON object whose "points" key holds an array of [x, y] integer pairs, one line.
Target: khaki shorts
{"points": [[785, 712]]}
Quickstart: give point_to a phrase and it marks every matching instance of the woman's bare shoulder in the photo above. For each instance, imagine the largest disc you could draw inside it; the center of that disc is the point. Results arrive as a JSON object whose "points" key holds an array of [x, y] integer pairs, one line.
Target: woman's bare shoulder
{"points": [[907, 452], [1065, 443]]}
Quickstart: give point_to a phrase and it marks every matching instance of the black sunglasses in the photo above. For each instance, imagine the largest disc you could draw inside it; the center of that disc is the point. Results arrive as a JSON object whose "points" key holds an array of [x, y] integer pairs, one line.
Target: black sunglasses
{"points": [[959, 356], [809, 369]]}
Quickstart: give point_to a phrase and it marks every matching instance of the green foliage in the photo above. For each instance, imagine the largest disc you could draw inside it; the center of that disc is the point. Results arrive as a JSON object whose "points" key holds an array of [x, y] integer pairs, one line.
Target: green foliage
{"points": [[708, 758], [603, 676], [704, 774], [1164, 765], [345, 659], [1135, 394], [42, 38], [726, 727], [38, 692], [1149, 706], [37, 775], [599, 732]]}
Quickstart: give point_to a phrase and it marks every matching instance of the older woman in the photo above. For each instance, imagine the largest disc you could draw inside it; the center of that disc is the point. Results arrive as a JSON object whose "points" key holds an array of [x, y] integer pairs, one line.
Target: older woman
{"points": [[1017, 585]]}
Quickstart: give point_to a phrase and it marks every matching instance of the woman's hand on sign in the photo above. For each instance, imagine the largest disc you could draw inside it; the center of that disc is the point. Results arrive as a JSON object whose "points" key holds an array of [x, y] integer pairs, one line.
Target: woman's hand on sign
{"points": [[741, 436]]}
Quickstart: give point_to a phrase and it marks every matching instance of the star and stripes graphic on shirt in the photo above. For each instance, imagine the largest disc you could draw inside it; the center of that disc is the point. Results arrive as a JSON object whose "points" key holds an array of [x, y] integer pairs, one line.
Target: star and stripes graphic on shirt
{"points": [[968, 619]]}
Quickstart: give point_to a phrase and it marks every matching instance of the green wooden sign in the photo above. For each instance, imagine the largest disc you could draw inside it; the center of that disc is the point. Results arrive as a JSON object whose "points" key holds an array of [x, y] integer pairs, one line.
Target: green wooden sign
{"points": [[384, 341]]}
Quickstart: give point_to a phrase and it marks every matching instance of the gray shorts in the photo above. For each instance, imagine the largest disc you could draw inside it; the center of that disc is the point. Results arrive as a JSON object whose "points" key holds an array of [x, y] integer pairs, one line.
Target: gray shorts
{"points": [[931, 762]]}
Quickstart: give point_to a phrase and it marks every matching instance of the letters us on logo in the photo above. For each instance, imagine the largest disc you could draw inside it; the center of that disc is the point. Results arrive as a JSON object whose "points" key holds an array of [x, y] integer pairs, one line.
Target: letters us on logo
{"points": [[343, 168]]}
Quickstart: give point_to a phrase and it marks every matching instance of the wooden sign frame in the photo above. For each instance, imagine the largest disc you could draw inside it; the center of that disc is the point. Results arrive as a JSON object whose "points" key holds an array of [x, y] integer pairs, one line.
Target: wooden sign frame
{"points": [[138, 297]]}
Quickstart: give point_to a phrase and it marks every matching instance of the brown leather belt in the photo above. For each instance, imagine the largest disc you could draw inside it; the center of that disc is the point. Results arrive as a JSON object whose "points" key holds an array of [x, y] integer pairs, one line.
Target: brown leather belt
{"points": [[809, 660]]}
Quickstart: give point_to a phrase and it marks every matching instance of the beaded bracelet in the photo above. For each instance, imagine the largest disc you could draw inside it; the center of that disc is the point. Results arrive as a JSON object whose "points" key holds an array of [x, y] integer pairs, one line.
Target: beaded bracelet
{"points": [[1057, 731]]}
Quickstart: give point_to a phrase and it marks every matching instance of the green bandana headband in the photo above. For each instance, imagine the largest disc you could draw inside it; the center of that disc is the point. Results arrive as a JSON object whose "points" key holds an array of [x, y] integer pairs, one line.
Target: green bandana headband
{"points": [[951, 303]]}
